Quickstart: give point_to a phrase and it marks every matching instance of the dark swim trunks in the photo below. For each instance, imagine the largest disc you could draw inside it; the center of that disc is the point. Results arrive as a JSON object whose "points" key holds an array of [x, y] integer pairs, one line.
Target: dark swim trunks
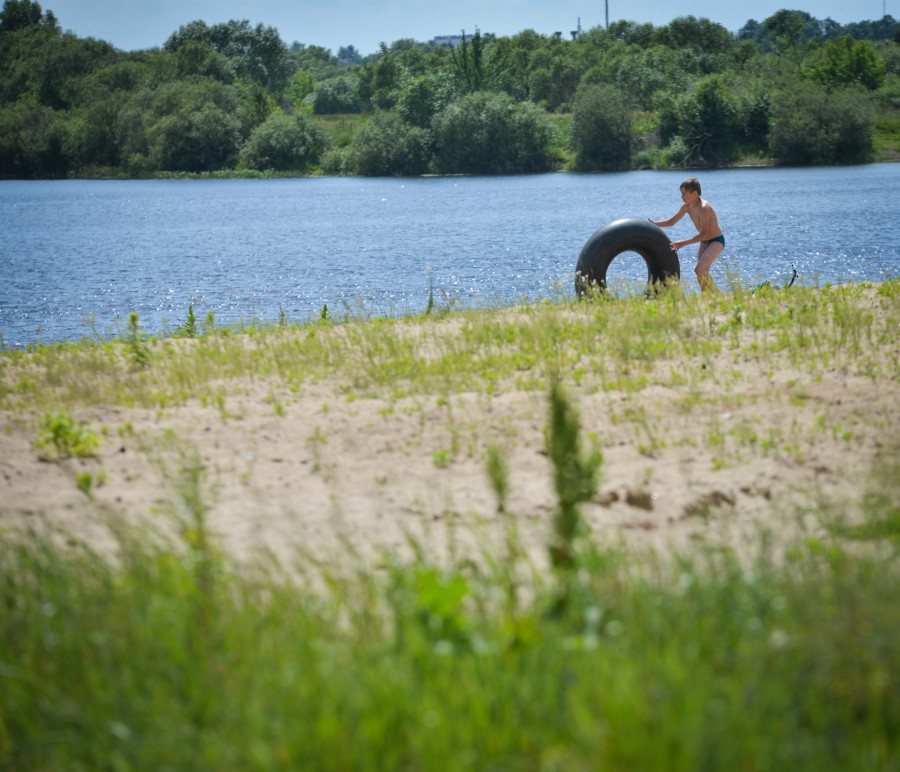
{"points": [[720, 239]]}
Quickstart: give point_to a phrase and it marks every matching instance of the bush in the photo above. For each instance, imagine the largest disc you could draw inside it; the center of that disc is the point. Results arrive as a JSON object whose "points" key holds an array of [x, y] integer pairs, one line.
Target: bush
{"points": [[709, 119], [31, 142], [809, 126], [336, 161], [849, 62], [388, 147], [602, 136], [284, 143], [423, 97], [487, 133], [335, 95], [183, 126], [888, 95]]}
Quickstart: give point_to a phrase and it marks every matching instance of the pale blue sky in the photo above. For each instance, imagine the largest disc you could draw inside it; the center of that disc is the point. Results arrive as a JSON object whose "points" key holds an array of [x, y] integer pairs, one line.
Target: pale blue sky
{"points": [[133, 24]]}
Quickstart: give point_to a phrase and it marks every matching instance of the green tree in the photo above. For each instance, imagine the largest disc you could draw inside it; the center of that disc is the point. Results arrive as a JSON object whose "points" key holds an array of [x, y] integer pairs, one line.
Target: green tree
{"points": [[349, 55], [387, 75], [484, 133], [699, 34], [319, 61], [708, 120], [848, 62], [468, 62], [601, 129], [22, 14], [786, 30], [200, 58], [643, 73], [45, 65], [508, 65], [191, 126], [554, 75], [388, 147], [811, 126], [284, 143], [256, 53], [302, 85], [423, 97], [31, 142], [336, 95]]}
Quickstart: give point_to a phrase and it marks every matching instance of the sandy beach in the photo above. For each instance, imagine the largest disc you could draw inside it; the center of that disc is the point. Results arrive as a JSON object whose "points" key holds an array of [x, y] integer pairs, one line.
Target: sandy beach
{"points": [[323, 467]]}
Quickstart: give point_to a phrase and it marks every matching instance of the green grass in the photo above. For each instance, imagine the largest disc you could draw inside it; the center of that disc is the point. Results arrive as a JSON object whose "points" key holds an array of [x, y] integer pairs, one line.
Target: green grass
{"points": [[671, 341], [340, 129], [167, 653], [886, 138]]}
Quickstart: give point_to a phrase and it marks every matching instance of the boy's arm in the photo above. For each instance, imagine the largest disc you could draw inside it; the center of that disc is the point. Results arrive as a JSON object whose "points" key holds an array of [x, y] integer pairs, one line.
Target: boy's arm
{"points": [[672, 220]]}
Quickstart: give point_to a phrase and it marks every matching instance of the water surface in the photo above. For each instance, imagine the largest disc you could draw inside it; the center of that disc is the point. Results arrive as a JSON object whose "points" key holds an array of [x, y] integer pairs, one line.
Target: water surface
{"points": [[77, 257]]}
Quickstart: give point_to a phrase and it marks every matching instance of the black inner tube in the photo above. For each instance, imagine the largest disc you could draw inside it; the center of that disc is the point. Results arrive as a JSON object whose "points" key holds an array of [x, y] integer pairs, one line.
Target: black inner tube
{"points": [[626, 235]]}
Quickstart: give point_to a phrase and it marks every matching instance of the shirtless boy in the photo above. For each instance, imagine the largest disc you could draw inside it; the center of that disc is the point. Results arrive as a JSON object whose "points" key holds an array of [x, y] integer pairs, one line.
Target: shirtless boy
{"points": [[709, 234]]}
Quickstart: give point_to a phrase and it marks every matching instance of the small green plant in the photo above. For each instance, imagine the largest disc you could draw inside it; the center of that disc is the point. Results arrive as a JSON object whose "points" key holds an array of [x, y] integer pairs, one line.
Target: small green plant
{"points": [[316, 442], [137, 344], [575, 477], [219, 400], [86, 482], [63, 437], [189, 328], [498, 474], [429, 308], [442, 458]]}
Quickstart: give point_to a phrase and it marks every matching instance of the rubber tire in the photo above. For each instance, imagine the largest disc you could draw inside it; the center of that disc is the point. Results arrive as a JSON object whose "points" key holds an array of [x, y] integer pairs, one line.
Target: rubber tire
{"points": [[627, 235]]}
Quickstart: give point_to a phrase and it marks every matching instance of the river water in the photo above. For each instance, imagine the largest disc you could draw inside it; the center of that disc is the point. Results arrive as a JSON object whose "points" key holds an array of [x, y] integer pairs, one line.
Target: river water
{"points": [[77, 256]]}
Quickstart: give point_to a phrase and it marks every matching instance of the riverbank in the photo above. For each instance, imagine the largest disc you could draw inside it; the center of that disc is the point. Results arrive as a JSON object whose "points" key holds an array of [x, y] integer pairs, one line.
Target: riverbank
{"points": [[713, 417]]}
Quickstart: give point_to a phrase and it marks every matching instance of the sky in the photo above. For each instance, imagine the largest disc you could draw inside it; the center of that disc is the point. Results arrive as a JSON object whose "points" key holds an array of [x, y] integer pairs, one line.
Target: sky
{"points": [[364, 24]]}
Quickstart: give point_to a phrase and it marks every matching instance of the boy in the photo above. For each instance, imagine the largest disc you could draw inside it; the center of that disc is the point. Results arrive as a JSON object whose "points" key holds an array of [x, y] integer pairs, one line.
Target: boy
{"points": [[709, 234]]}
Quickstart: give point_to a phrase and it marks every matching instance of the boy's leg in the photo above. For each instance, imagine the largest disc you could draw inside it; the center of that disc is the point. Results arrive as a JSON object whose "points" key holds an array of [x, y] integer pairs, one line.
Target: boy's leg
{"points": [[705, 258]]}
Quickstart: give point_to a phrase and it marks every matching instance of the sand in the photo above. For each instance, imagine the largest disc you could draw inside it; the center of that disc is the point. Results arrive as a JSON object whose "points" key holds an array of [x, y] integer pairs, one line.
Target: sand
{"points": [[335, 477]]}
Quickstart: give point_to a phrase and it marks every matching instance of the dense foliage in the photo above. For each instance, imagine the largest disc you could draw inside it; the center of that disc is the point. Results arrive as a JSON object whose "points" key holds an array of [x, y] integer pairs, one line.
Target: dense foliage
{"points": [[790, 89]]}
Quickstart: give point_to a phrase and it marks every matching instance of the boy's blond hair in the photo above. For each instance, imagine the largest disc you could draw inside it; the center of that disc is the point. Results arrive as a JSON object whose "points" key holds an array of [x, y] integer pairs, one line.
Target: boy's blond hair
{"points": [[691, 184]]}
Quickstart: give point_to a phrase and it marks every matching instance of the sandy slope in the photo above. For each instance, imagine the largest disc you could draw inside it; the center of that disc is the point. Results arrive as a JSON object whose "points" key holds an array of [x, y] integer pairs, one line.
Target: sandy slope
{"points": [[680, 467]]}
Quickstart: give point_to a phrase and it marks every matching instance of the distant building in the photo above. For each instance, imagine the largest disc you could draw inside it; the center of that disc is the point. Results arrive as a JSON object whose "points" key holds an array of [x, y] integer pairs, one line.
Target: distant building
{"points": [[454, 41]]}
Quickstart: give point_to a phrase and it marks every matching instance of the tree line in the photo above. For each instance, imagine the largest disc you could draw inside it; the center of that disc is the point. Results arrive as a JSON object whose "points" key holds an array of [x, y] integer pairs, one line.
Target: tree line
{"points": [[234, 98]]}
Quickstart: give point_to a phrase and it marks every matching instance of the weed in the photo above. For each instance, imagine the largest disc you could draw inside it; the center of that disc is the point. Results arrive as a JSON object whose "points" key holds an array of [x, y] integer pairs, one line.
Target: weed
{"points": [[442, 458], [137, 343], [62, 437], [84, 481], [429, 308], [316, 442], [575, 477], [189, 328], [498, 474]]}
